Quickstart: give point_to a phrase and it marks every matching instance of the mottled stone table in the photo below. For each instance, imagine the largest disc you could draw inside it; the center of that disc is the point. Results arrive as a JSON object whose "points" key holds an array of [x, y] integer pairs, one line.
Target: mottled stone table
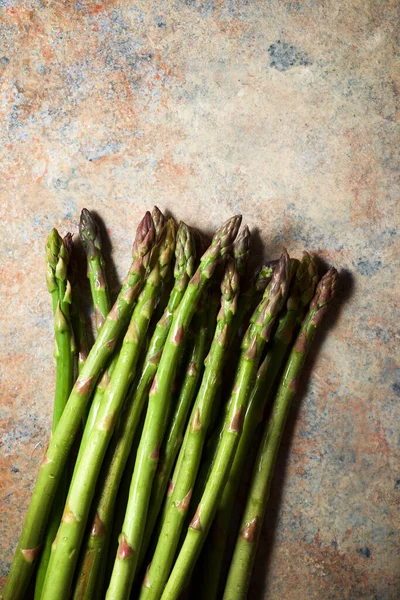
{"points": [[282, 110]]}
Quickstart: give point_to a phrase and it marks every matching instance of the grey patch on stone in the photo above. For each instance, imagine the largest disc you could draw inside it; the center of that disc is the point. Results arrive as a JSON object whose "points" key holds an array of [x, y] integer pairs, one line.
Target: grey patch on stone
{"points": [[294, 7], [14, 470], [4, 61], [368, 267], [284, 56], [108, 149]]}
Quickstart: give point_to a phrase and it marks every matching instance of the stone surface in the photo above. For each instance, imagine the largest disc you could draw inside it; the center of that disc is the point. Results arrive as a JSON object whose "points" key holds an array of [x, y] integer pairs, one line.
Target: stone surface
{"points": [[284, 111]]}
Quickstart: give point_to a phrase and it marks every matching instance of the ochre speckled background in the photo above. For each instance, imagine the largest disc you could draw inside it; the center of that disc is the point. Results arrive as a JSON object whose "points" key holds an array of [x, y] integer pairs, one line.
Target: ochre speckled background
{"points": [[282, 110]]}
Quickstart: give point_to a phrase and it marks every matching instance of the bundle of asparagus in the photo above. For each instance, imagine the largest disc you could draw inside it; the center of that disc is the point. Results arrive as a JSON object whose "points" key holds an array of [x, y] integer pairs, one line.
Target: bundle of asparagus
{"points": [[192, 359]]}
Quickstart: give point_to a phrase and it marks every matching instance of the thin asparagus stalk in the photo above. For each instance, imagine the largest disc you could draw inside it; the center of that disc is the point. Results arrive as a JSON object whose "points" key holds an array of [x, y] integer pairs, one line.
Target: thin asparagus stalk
{"points": [[148, 452], [253, 287], [163, 557], [120, 447], [257, 335], [57, 257], [300, 294], [241, 250], [66, 547], [241, 253], [162, 485], [60, 444], [174, 435], [90, 236], [159, 223], [258, 284], [247, 540], [79, 326], [81, 338]]}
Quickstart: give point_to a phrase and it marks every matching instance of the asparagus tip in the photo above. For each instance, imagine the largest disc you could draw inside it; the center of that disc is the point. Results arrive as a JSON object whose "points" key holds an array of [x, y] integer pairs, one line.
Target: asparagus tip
{"points": [[89, 233], [241, 249], [158, 219], [326, 290], [68, 242], [184, 252], [230, 280], [227, 233]]}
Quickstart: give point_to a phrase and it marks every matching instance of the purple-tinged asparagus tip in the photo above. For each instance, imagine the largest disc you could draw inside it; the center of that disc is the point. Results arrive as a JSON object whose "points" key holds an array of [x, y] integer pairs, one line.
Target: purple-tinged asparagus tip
{"points": [[185, 252], [68, 243], [167, 247], [145, 238], [89, 233], [158, 219], [230, 280], [241, 249], [227, 233], [277, 292], [306, 278], [325, 291]]}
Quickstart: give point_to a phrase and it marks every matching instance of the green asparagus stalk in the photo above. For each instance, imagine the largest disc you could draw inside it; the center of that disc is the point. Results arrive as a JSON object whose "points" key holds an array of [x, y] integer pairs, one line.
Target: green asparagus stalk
{"points": [[57, 257], [257, 335], [241, 253], [97, 541], [159, 222], [79, 326], [91, 240], [148, 452], [60, 444], [300, 293], [247, 540], [241, 250], [162, 485], [163, 557], [66, 547], [90, 236], [174, 434], [252, 288]]}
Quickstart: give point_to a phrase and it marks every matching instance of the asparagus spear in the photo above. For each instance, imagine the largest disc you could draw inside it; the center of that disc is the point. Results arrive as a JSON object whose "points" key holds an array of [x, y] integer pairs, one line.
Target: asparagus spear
{"points": [[117, 455], [173, 437], [256, 285], [158, 222], [300, 294], [79, 326], [247, 540], [90, 236], [163, 557], [257, 335], [56, 455], [57, 257], [69, 537], [241, 253], [148, 452]]}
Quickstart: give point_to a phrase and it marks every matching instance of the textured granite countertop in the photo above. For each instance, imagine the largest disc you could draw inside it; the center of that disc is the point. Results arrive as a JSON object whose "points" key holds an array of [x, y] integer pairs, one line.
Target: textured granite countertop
{"points": [[282, 110]]}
